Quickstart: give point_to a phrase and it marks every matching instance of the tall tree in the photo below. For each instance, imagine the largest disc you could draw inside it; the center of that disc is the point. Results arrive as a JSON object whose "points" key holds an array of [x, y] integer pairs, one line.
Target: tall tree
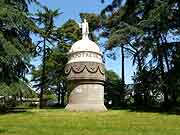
{"points": [[145, 26], [47, 31], [118, 32], [56, 81], [15, 42]]}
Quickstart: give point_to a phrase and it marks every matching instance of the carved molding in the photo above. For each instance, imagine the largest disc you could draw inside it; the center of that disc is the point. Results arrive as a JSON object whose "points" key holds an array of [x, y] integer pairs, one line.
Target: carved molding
{"points": [[79, 67]]}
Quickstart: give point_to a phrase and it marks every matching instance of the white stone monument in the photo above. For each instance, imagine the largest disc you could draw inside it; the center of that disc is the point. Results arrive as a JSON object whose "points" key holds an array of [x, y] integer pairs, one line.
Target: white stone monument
{"points": [[86, 74]]}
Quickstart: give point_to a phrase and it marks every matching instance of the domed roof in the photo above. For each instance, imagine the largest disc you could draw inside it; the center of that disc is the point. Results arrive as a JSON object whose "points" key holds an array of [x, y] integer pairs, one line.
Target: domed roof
{"points": [[85, 45], [85, 50]]}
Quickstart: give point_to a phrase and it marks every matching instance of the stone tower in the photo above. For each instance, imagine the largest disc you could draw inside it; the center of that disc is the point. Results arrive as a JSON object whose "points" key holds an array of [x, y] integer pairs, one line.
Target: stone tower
{"points": [[86, 74]]}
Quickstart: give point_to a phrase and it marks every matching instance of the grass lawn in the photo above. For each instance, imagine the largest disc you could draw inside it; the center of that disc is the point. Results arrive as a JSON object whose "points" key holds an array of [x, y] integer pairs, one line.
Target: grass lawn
{"points": [[116, 122]]}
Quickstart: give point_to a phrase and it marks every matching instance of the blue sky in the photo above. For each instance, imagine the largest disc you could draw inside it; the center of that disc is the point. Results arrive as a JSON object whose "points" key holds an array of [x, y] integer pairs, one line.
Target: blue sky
{"points": [[71, 10]]}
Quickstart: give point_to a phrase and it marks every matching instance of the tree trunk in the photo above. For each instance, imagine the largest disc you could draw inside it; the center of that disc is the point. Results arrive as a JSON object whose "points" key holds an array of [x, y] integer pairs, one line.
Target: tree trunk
{"points": [[166, 60], [138, 95], [62, 98], [63, 93], [122, 74], [161, 54], [21, 97], [164, 89], [139, 63], [43, 75], [59, 94], [174, 97], [122, 53], [146, 95]]}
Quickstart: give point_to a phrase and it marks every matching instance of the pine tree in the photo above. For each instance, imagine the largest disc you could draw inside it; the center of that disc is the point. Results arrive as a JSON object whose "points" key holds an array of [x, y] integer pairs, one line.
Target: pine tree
{"points": [[46, 30], [15, 45], [143, 28]]}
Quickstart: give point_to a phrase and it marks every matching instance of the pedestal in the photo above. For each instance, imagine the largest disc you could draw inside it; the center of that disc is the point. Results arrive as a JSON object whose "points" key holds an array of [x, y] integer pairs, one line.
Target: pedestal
{"points": [[87, 96]]}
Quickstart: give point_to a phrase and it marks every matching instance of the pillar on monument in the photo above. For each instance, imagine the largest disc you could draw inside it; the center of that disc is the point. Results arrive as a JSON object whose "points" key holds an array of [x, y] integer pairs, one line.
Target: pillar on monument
{"points": [[86, 75]]}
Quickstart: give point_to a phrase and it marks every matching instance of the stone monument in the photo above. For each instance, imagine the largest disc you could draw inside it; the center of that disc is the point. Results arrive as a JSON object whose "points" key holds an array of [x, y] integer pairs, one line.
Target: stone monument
{"points": [[86, 74]]}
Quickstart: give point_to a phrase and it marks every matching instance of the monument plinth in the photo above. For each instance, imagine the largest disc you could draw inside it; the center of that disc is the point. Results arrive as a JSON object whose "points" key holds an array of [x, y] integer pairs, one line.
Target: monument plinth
{"points": [[86, 74]]}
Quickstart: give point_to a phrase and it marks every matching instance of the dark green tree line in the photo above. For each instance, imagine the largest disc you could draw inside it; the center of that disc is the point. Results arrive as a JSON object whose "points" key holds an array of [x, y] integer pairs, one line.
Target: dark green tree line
{"points": [[143, 29], [15, 45]]}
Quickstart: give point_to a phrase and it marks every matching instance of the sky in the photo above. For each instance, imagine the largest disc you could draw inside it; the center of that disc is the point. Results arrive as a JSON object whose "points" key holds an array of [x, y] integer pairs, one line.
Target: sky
{"points": [[70, 10]]}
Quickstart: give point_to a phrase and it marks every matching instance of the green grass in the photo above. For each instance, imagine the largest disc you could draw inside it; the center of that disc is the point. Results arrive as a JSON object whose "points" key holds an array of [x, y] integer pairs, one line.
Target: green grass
{"points": [[116, 122]]}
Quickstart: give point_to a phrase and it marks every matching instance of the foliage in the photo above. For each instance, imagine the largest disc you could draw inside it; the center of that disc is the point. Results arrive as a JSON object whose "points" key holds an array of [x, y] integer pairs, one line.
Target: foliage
{"points": [[56, 81], [14, 94], [15, 46], [69, 32], [143, 29], [113, 89], [47, 30], [15, 41]]}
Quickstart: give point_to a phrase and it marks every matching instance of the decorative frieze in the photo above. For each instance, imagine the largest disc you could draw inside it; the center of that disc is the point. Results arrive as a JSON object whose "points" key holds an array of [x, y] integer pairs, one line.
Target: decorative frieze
{"points": [[79, 67]]}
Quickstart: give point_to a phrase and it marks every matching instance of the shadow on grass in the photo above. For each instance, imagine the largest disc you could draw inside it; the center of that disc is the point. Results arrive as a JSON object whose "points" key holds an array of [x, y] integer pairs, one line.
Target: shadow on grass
{"points": [[170, 111], [27, 109], [55, 106], [161, 110], [2, 130], [15, 111]]}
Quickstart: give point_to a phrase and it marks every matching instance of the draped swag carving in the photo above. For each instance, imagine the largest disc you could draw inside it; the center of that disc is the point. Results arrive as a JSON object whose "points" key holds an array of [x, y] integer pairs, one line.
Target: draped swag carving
{"points": [[79, 67]]}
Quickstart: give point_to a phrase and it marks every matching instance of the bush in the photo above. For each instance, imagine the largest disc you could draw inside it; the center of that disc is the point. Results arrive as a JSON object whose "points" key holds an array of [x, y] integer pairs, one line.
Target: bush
{"points": [[3, 108]]}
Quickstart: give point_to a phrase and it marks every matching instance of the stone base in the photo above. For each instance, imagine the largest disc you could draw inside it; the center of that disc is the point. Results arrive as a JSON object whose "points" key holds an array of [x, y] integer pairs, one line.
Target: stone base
{"points": [[86, 108], [87, 97]]}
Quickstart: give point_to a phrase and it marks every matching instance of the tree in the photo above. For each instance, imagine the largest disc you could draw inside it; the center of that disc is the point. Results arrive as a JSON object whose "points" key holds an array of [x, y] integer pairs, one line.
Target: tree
{"points": [[112, 89], [15, 45], [143, 27], [56, 81], [47, 31], [117, 31], [69, 33]]}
